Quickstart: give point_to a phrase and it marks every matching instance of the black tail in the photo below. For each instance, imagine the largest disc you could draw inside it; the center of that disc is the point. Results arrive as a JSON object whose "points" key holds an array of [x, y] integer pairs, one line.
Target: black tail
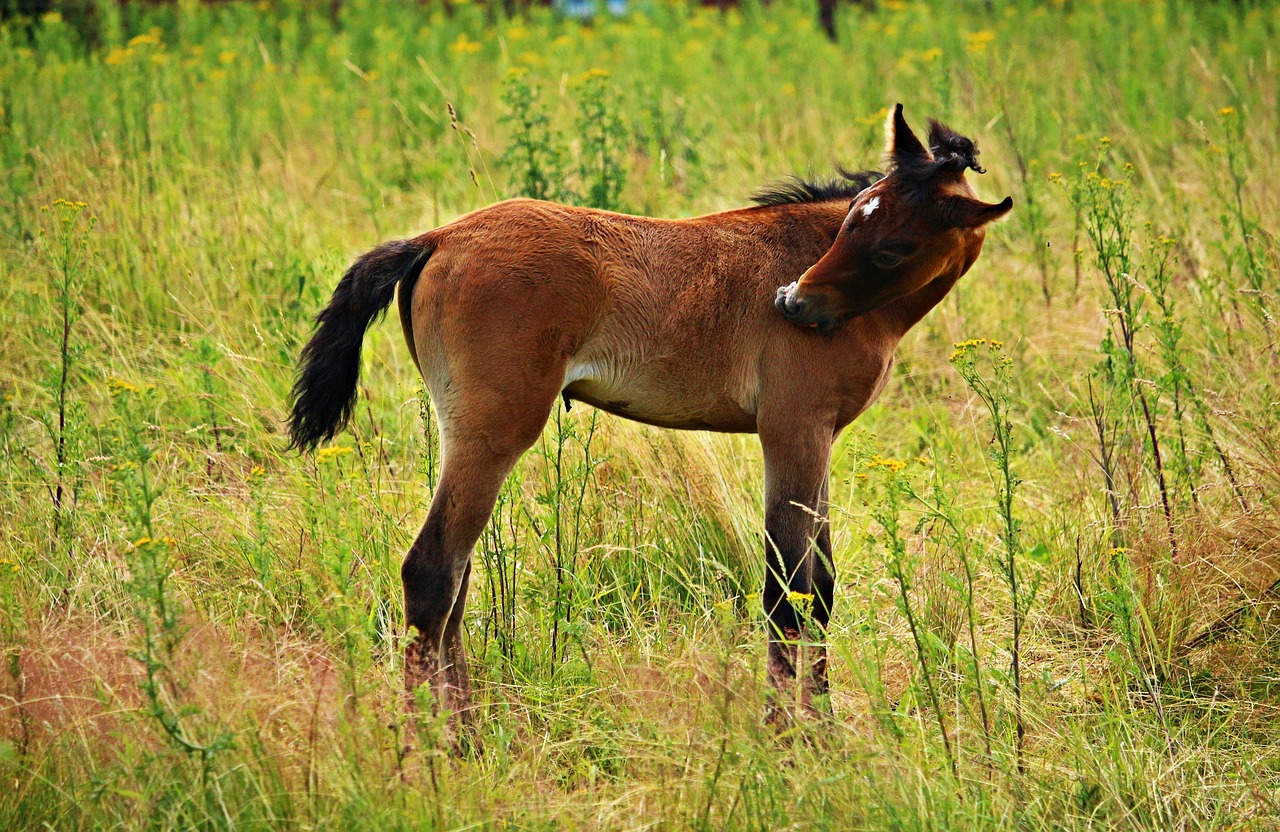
{"points": [[324, 395]]}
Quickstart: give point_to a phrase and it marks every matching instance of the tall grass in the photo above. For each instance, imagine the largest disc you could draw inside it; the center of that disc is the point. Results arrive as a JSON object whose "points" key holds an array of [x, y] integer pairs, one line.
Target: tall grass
{"points": [[202, 630]]}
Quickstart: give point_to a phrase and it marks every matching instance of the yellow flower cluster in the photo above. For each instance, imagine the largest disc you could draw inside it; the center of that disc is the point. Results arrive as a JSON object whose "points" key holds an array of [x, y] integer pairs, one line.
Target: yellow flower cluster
{"points": [[326, 455], [65, 208], [151, 38], [464, 45], [1104, 182], [121, 54], [119, 385], [963, 348], [978, 41], [143, 542], [894, 465], [1226, 112]]}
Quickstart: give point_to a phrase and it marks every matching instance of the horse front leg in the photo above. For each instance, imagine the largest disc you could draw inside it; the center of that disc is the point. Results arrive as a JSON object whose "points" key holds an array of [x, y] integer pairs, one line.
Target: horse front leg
{"points": [[799, 582], [824, 591]]}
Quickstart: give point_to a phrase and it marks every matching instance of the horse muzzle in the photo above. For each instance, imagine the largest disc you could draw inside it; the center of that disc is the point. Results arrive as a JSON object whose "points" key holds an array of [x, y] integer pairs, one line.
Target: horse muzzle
{"points": [[804, 310]]}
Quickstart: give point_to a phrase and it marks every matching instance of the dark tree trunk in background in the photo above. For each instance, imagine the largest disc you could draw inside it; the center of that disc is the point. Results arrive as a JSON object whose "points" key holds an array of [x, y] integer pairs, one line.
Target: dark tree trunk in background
{"points": [[827, 17]]}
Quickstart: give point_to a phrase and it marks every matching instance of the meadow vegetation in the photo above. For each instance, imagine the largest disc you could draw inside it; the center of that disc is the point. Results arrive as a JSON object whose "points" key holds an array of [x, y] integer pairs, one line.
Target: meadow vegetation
{"points": [[1057, 534]]}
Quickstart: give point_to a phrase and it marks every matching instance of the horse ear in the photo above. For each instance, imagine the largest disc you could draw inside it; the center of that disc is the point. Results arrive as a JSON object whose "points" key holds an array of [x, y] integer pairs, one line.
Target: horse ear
{"points": [[901, 145], [963, 212]]}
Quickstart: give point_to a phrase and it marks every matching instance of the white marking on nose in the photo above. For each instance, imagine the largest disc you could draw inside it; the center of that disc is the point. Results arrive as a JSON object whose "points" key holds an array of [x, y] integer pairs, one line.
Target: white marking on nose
{"points": [[870, 207]]}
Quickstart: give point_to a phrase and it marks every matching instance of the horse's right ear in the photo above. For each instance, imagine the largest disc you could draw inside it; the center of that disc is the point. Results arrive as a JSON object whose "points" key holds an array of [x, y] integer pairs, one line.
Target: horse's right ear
{"points": [[901, 145], [964, 212]]}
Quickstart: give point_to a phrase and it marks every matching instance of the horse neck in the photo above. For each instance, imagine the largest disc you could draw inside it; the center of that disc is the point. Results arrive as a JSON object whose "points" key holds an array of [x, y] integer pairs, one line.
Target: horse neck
{"points": [[905, 312], [819, 220]]}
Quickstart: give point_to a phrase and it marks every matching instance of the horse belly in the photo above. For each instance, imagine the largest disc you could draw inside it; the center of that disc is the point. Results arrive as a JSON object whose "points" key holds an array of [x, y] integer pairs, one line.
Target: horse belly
{"points": [[658, 397]]}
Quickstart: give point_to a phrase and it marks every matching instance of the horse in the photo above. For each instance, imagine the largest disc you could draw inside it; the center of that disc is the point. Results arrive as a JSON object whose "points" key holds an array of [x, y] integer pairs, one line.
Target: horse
{"points": [[694, 324]]}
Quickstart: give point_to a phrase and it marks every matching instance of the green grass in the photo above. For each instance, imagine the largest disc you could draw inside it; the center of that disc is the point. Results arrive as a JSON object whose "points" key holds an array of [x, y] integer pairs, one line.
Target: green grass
{"points": [[201, 629]]}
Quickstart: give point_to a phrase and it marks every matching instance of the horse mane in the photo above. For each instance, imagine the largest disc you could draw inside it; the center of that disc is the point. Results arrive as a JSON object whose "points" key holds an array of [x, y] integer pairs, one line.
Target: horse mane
{"points": [[794, 189]]}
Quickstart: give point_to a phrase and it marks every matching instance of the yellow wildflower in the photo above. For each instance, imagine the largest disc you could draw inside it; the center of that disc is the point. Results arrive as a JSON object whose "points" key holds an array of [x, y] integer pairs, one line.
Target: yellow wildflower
{"points": [[227, 57], [894, 465], [464, 45], [118, 56], [151, 38], [325, 455], [1226, 112], [979, 41], [119, 385], [963, 348]]}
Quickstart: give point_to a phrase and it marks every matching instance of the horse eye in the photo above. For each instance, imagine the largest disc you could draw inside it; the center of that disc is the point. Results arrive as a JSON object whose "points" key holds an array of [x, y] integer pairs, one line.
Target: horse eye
{"points": [[887, 259]]}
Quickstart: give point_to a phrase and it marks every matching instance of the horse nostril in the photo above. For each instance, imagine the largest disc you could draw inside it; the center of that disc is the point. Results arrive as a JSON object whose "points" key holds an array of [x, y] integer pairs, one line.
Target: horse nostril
{"points": [[787, 302]]}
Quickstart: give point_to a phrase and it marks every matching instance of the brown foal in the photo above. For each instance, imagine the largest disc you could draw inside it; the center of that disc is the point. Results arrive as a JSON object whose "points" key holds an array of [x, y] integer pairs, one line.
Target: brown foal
{"points": [[676, 323]]}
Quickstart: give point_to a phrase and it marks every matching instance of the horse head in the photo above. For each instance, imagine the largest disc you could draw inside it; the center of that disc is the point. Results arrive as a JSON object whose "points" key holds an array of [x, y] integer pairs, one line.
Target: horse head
{"points": [[920, 223]]}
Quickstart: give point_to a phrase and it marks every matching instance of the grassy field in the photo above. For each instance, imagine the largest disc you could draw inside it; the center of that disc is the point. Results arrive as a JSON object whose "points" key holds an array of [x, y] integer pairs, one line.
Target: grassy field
{"points": [[201, 629]]}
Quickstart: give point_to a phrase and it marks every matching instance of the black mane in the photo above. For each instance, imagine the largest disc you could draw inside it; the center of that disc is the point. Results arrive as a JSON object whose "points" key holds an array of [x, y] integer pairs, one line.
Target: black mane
{"points": [[792, 190]]}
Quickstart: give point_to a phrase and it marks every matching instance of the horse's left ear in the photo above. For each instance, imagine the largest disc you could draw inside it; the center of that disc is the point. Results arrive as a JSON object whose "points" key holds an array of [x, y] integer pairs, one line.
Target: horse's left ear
{"points": [[963, 212], [901, 145]]}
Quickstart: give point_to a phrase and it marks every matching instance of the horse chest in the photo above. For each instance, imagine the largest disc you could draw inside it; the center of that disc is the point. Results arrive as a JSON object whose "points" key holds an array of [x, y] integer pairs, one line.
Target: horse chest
{"points": [[862, 386]]}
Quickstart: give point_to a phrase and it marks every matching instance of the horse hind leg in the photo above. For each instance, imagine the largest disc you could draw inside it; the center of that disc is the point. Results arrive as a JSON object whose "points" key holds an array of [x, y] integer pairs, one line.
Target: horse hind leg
{"points": [[479, 452]]}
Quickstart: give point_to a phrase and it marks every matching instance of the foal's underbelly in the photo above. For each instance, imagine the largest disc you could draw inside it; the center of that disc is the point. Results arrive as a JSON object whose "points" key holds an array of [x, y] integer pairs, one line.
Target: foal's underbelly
{"points": [[657, 398]]}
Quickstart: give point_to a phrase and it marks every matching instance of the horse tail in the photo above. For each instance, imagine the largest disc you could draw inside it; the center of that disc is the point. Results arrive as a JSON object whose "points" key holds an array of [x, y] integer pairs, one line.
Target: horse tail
{"points": [[324, 394]]}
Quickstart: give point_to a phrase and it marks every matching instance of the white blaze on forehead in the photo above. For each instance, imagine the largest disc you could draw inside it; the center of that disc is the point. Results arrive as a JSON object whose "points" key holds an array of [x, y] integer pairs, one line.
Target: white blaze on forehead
{"points": [[870, 207]]}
